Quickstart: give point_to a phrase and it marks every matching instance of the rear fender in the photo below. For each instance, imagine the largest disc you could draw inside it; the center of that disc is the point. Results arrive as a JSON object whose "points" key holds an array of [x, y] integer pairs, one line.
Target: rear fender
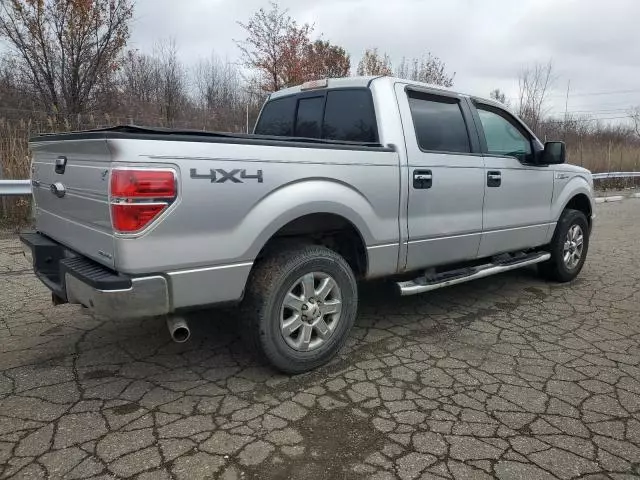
{"points": [[276, 210]]}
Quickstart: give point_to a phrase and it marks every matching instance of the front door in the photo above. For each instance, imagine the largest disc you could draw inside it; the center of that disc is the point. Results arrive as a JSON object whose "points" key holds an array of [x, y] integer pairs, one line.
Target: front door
{"points": [[446, 178], [518, 192]]}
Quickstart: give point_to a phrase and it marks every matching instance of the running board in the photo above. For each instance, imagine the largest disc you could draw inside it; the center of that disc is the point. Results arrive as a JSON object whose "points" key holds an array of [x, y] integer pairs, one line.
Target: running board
{"points": [[425, 284]]}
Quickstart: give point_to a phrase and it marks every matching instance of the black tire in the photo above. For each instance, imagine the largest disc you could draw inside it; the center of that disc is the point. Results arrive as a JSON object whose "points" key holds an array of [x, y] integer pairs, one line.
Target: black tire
{"points": [[270, 282], [556, 269]]}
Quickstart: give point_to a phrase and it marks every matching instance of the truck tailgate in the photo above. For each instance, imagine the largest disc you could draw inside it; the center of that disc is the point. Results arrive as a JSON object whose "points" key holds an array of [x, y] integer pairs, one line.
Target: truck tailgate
{"points": [[71, 190]]}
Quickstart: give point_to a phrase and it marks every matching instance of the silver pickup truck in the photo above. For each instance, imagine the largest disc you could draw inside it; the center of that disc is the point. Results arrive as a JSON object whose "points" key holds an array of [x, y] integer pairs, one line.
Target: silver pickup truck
{"points": [[342, 180]]}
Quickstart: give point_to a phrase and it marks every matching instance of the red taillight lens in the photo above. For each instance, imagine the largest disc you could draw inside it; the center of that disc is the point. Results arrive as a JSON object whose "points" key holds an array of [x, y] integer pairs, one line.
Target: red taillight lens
{"points": [[143, 184], [139, 196], [131, 217]]}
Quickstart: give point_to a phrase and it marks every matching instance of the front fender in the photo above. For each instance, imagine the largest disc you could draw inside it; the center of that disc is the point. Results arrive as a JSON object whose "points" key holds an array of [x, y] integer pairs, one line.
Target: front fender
{"points": [[576, 186]]}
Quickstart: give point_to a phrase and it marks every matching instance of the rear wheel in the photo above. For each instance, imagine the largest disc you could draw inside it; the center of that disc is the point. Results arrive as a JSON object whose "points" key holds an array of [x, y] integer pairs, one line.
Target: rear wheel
{"points": [[299, 307], [568, 248]]}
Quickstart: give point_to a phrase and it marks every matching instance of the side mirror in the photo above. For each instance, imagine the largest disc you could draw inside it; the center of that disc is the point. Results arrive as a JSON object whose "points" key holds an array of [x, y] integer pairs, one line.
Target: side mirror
{"points": [[554, 153]]}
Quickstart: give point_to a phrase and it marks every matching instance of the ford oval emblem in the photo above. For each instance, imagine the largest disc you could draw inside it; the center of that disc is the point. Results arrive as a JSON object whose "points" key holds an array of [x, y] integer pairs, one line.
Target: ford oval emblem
{"points": [[58, 189]]}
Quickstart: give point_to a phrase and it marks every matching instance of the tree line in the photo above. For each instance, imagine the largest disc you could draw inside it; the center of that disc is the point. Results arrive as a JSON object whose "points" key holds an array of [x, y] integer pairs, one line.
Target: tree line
{"points": [[68, 65], [68, 59]]}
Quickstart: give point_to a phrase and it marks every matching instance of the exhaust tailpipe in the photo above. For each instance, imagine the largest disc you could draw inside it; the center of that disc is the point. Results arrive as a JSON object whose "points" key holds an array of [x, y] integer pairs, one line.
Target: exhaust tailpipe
{"points": [[178, 329]]}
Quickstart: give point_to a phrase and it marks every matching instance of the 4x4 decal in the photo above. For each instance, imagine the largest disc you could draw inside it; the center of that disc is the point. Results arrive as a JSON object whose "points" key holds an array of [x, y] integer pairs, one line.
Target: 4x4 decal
{"points": [[219, 175]]}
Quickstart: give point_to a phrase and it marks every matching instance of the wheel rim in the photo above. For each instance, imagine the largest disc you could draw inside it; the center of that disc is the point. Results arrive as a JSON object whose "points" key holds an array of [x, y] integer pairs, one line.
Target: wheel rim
{"points": [[573, 247], [311, 311]]}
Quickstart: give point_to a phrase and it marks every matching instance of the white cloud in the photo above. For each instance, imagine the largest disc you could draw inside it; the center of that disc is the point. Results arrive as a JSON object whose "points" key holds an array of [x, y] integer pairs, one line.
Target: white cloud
{"points": [[486, 42]]}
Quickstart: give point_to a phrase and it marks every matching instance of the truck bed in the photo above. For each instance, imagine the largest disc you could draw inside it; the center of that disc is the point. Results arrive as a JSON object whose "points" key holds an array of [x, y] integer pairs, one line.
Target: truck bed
{"points": [[234, 192]]}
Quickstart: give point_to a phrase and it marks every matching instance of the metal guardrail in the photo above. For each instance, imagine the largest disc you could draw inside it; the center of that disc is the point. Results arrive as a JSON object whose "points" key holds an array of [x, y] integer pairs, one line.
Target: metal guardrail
{"points": [[14, 188], [604, 176]]}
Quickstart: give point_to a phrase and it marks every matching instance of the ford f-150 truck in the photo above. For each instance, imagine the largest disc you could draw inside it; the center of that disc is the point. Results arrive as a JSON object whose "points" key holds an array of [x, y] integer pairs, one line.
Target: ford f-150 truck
{"points": [[342, 180]]}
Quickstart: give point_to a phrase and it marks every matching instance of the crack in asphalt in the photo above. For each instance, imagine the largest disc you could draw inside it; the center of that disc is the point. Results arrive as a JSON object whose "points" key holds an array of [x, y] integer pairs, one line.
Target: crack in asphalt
{"points": [[509, 377]]}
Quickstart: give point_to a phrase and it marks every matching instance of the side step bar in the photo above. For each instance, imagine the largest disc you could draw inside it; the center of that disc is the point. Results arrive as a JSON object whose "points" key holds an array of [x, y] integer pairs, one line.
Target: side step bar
{"points": [[427, 284]]}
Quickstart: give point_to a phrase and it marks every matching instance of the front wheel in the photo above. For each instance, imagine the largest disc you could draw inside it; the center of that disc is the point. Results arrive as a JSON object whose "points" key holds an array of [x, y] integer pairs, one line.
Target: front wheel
{"points": [[568, 248], [299, 307]]}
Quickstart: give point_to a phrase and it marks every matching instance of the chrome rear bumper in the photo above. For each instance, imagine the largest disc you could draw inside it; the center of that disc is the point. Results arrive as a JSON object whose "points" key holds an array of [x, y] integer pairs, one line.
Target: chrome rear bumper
{"points": [[147, 297], [73, 278]]}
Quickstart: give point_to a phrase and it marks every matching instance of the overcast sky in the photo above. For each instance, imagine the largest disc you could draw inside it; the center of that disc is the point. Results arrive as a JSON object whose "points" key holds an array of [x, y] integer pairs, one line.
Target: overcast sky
{"points": [[593, 43]]}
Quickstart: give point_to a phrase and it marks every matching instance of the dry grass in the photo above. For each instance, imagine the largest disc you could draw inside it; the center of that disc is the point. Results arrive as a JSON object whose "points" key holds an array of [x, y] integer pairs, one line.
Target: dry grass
{"points": [[14, 154], [605, 157], [602, 157], [14, 158]]}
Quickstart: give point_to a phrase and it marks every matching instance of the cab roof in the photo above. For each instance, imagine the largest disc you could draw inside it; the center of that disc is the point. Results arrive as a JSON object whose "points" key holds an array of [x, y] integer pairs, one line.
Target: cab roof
{"points": [[365, 82], [347, 82]]}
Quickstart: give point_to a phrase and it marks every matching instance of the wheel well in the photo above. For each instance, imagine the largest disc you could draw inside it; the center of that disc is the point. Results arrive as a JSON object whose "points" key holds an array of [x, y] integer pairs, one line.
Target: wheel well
{"points": [[332, 231], [581, 202]]}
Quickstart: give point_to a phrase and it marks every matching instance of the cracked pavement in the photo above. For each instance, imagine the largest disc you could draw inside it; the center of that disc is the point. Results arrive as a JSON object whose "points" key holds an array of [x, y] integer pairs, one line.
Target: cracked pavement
{"points": [[506, 377]]}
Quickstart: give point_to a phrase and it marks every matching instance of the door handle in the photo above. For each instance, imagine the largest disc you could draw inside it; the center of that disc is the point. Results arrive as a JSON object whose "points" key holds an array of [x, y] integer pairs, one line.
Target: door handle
{"points": [[422, 179], [494, 178]]}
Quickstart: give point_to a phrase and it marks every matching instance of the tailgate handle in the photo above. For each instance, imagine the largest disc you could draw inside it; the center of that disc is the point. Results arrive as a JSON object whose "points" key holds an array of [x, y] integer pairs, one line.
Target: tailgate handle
{"points": [[61, 164]]}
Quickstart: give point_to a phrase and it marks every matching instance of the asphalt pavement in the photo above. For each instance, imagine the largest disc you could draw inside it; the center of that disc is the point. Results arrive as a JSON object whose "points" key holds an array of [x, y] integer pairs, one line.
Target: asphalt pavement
{"points": [[508, 377]]}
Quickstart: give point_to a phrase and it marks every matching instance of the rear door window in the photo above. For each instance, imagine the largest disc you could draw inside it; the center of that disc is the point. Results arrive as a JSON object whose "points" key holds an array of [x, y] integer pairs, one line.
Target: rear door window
{"points": [[439, 123]]}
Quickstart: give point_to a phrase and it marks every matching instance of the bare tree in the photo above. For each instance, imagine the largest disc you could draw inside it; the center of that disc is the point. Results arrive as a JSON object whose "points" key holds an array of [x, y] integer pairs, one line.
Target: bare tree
{"points": [[172, 94], [374, 63], [217, 84], [10, 95], [534, 84], [139, 79], [65, 48], [428, 69], [499, 96], [635, 117], [223, 100]]}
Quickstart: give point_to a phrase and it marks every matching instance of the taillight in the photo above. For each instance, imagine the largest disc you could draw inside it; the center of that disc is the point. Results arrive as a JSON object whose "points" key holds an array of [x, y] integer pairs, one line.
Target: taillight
{"points": [[138, 197], [143, 184], [131, 217]]}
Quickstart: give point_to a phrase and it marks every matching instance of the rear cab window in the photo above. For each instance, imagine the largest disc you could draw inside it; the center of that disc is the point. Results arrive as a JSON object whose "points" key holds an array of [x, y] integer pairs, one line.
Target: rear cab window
{"points": [[334, 114], [309, 117], [277, 117]]}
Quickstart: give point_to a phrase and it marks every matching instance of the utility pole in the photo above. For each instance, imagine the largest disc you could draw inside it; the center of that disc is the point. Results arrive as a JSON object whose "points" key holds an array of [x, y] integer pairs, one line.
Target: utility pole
{"points": [[566, 110]]}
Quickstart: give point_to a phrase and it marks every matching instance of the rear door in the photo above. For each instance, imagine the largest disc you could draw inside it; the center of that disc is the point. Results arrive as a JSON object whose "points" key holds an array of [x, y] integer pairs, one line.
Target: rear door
{"points": [[517, 200], [70, 181], [446, 178]]}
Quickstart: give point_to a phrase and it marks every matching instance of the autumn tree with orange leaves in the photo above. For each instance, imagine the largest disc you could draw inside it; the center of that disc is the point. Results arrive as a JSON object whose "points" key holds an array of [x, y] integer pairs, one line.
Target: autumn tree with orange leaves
{"points": [[65, 50], [282, 54], [324, 60]]}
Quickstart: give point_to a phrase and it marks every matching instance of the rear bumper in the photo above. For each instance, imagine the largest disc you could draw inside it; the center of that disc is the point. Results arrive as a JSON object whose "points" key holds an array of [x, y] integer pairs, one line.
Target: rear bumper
{"points": [[75, 279]]}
